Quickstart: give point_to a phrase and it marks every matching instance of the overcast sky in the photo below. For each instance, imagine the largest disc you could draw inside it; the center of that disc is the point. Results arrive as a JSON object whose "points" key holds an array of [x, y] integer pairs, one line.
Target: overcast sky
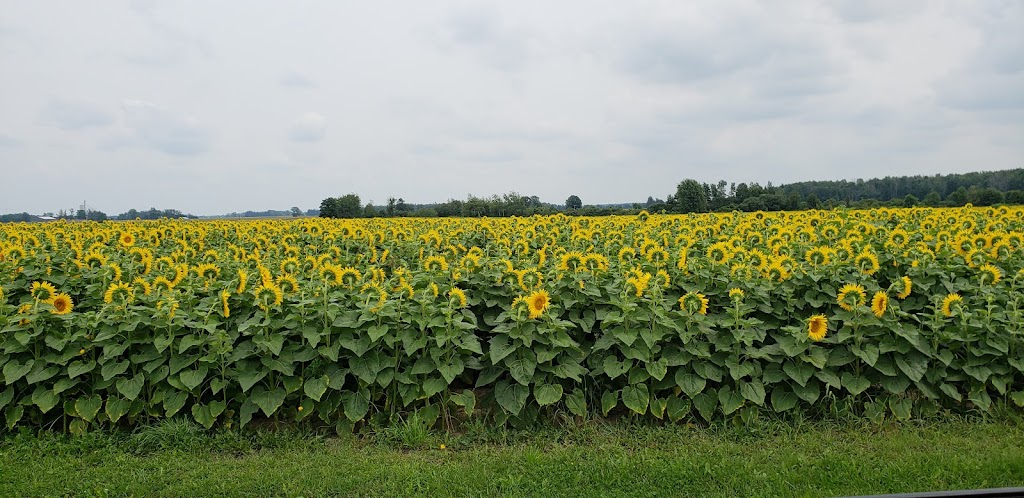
{"points": [[212, 107]]}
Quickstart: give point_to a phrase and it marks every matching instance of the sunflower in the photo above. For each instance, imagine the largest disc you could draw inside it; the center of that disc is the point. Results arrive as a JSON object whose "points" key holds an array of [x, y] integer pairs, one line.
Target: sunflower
{"points": [[879, 303], [43, 292], [657, 256], [817, 327], [458, 296], [949, 301], [224, 295], [435, 263], [288, 284], [991, 272], [777, 271], [146, 288], [243, 278], [350, 276], [161, 283], [267, 296], [127, 239], [538, 302], [855, 291], [24, 310], [867, 262], [594, 262], [694, 302], [736, 294], [719, 253], [626, 254], [907, 286], [639, 283], [62, 304], [330, 274], [120, 291], [817, 256], [94, 260], [290, 266], [570, 261], [434, 289], [662, 279]]}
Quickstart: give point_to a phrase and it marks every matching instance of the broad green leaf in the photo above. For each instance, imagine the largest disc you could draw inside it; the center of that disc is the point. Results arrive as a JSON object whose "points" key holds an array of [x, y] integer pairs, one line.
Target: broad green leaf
{"points": [[452, 369], [88, 407], [466, 399], [44, 398], [77, 368], [547, 394], [783, 399], [678, 408], [39, 374], [434, 385], [193, 378], [522, 369], [730, 400], [6, 396], [174, 401], [657, 369], [112, 369], [753, 391], [316, 387], [13, 415], [268, 400], [117, 408], [1016, 396], [706, 402], [691, 384], [500, 348], [900, 407], [854, 384], [576, 401], [511, 396], [608, 401], [799, 372], [809, 393]]}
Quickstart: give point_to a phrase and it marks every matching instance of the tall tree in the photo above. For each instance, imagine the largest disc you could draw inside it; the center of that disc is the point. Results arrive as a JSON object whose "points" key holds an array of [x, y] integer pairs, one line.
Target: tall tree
{"points": [[691, 197], [573, 202]]}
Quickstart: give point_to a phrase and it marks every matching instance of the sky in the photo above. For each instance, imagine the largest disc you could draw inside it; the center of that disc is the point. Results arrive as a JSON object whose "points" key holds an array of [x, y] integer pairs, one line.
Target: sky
{"points": [[214, 107]]}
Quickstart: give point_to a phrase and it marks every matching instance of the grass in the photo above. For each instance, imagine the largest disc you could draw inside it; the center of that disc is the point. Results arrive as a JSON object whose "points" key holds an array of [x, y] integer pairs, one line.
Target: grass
{"points": [[177, 458]]}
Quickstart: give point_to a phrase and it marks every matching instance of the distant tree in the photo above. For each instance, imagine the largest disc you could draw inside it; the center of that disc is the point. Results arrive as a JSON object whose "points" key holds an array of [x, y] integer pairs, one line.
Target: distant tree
{"points": [[296, 212], [933, 199], [958, 197], [348, 206], [329, 208], [691, 197], [369, 211], [1014, 197], [910, 200], [573, 202]]}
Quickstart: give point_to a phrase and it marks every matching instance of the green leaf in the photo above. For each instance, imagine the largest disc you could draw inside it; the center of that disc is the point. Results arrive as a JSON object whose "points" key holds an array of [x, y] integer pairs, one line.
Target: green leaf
{"points": [[174, 401], [452, 369], [6, 396], [547, 394], [1016, 396], [193, 378], [577, 403], [830, 378], [377, 331], [13, 415], [113, 369], [500, 348], [867, 352], [117, 408], [808, 393], [855, 384], [706, 402], [636, 397], [657, 369], [522, 369], [77, 368], [434, 385], [466, 399], [678, 407], [754, 391], [783, 399], [44, 398], [915, 365], [248, 378], [658, 407], [207, 415], [268, 400], [87, 408], [614, 368], [800, 372], [511, 396], [691, 384], [980, 398], [608, 401], [900, 407], [316, 387], [39, 374], [730, 400]]}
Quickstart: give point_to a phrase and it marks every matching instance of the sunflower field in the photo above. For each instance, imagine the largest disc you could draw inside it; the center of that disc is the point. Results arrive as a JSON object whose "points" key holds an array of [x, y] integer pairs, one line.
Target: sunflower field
{"points": [[884, 313]]}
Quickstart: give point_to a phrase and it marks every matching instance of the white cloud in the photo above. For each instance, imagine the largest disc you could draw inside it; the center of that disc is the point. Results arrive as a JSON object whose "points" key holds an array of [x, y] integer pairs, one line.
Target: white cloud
{"points": [[310, 127]]}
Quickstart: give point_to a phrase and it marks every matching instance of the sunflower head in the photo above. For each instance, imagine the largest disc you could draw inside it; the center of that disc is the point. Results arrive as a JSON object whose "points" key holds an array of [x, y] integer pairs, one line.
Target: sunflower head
{"points": [[435, 263], [43, 292], [570, 261], [662, 279], [851, 296], [457, 297], [736, 294], [990, 274], [951, 303], [243, 278], [907, 286], [330, 274], [119, 292], [267, 296], [867, 262], [349, 277], [62, 304], [817, 327], [879, 303], [224, 295], [538, 302], [162, 284], [694, 303]]}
